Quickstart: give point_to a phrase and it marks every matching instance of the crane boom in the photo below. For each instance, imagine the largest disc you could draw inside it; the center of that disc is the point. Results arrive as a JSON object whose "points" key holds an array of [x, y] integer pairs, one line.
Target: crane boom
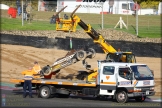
{"points": [[97, 38], [113, 54]]}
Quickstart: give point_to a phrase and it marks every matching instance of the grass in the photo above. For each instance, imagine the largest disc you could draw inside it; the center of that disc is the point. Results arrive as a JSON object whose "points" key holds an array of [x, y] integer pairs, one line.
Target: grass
{"points": [[16, 24], [148, 25]]}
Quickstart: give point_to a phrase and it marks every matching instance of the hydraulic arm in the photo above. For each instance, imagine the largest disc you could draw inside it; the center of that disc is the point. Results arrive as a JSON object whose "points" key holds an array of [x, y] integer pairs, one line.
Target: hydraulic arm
{"points": [[112, 54]]}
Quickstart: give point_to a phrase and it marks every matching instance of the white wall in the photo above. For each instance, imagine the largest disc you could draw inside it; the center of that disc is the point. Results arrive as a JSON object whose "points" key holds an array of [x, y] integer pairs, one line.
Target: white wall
{"points": [[146, 12], [4, 7], [93, 7]]}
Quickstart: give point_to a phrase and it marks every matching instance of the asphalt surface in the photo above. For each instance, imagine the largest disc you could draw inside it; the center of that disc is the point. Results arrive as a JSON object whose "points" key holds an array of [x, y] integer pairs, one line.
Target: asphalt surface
{"points": [[14, 99]]}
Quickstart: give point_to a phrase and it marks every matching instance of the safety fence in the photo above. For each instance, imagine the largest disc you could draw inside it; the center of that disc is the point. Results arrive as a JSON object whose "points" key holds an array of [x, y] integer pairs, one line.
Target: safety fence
{"points": [[148, 25]]}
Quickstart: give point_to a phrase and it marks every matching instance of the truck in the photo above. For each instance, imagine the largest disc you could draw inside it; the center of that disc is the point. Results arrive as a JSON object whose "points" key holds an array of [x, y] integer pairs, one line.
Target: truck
{"points": [[120, 81], [98, 6]]}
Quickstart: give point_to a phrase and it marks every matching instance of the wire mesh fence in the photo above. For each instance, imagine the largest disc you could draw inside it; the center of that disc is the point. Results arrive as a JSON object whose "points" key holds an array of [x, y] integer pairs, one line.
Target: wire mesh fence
{"points": [[148, 25]]}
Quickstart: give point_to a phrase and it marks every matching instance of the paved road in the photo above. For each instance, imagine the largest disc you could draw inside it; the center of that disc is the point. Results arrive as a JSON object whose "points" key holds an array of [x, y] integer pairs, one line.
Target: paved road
{"points": [[15, 99]]}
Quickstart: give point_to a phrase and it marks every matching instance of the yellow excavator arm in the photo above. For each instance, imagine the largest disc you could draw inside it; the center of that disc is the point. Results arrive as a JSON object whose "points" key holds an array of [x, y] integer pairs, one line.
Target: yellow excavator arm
{"points": [[71, 24], [116, 56]]}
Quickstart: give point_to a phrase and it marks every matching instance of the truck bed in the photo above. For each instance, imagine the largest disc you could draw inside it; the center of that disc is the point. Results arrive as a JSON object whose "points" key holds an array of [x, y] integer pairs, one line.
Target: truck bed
{"points": [[57, 82]]}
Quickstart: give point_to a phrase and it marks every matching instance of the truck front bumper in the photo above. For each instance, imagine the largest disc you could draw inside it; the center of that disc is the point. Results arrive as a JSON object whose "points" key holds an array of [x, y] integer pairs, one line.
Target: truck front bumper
{"points": [[137, 94]]}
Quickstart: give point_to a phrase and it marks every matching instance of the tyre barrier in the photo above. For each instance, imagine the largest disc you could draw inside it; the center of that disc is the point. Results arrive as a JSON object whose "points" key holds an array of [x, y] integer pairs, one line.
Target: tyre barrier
{"points": [[140, 49]]}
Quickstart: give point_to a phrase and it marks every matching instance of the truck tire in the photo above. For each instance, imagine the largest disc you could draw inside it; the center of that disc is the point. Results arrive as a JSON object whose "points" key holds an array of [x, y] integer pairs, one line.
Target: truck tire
{"points": [[93, 53], [81, 55], [139, 99], [45, 92], [121, 96]]}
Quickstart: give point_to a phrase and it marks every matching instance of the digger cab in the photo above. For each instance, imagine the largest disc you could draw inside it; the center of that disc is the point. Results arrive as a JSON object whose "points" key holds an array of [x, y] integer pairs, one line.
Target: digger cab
{"points": [[126, 57]]}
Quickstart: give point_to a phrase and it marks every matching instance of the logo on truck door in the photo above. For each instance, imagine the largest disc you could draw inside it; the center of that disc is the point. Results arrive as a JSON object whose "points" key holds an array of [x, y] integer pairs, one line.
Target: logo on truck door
{"points": [[107, 77]]}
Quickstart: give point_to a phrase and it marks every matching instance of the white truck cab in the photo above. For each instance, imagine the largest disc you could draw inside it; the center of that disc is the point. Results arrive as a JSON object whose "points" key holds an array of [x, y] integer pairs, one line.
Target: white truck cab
{"points": [[125, 80]]}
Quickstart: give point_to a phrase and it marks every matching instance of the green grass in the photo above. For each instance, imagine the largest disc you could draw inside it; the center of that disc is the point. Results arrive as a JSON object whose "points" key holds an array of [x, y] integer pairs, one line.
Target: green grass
{"points": [[148, 25], [151, 32], [16, 24]]}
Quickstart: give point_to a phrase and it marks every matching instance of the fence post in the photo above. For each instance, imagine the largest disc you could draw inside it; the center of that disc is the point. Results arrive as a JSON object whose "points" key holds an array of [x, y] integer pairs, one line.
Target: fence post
{"points": [[22, 13]]}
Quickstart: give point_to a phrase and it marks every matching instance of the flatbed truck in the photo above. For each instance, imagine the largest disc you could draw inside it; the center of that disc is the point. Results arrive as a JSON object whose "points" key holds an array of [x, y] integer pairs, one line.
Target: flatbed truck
{"points": [[121, 81]]}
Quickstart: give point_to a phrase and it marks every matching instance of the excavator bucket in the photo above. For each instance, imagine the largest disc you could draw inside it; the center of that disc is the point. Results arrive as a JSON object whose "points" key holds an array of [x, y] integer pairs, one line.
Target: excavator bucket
{"points": [[67, 25]]}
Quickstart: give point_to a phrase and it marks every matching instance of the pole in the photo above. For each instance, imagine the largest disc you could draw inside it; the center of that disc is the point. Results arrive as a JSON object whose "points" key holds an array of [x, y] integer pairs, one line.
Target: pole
{"points": [[22, 14], [136, 18], [71, 44], [137, 22], [102, 16], [127, 14]]}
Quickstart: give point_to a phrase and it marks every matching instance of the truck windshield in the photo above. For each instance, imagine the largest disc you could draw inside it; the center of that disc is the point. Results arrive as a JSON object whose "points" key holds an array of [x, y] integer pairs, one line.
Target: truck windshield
{"points": [[142, 72]]}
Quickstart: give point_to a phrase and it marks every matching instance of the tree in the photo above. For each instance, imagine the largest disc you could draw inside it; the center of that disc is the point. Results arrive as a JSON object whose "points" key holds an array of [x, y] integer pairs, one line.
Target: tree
{"points": [[148, 3]]}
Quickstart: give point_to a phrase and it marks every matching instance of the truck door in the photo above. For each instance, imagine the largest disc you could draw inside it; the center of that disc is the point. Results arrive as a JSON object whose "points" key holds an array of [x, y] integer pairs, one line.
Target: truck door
{"points": [[124, 78], [107, 80]]}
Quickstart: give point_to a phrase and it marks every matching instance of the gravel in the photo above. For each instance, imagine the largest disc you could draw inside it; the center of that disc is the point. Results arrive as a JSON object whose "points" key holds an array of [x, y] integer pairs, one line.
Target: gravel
{"points": [[109, 34]]}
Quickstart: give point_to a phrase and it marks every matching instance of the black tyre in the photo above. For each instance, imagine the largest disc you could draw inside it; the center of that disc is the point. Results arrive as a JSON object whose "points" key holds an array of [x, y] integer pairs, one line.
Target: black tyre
{"points": [[46, 70], [81, 55], [93, 53], [139, 99], [45, 92], [121, 96]]}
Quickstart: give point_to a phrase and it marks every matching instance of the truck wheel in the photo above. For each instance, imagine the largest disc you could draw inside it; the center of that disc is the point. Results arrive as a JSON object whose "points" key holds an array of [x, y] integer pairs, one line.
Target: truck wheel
{"points": [[45, 92], [46, 70], [121, 96], [81, 55], [139, 99], [93, 53]]}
